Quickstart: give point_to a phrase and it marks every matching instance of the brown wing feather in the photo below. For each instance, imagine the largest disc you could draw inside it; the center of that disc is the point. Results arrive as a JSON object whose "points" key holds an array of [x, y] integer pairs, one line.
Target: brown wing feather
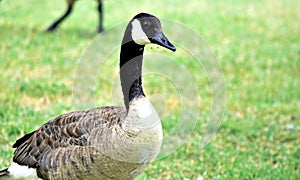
{"points": [[71, 129], [22, 139]]}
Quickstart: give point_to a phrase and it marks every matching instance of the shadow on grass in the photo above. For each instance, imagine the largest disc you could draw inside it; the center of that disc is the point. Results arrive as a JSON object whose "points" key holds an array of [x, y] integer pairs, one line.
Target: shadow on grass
{"points": [[31, 30], [78, 32]]}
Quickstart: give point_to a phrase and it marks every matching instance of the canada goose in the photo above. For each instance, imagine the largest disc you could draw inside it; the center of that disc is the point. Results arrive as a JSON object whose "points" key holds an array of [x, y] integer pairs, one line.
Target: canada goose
{"points": [[70, 4], [106, 142]]}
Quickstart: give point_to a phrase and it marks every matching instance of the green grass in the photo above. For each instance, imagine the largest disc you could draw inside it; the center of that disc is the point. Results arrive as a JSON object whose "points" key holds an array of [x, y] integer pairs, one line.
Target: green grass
{"points": [[256, 43]]}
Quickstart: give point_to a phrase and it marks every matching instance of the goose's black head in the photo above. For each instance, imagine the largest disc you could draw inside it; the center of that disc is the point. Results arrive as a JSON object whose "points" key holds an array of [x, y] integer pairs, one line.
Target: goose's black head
{"points": [[141, 30], [145, 29]]}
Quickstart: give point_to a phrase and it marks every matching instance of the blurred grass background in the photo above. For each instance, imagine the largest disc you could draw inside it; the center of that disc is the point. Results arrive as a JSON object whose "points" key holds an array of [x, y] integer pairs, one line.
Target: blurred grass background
{"points": [[256, 43]]}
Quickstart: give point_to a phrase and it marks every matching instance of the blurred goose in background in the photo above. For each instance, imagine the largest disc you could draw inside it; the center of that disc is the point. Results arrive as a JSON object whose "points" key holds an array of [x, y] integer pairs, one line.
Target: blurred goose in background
{"points": [[70, 4], [102, 143]]}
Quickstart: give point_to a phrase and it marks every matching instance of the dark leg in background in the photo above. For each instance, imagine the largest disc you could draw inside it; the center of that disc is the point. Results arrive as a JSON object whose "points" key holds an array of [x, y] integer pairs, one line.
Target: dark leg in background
{"points": [[54, 25], [100, 10]]}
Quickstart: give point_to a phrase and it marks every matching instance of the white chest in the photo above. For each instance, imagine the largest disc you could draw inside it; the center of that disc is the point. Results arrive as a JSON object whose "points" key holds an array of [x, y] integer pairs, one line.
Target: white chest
{"points": [[140, 108], [142, 116]]}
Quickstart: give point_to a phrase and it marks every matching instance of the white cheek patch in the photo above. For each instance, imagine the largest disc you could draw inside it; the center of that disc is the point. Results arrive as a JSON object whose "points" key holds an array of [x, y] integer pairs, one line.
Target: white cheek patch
{"points": [[137, 33]]}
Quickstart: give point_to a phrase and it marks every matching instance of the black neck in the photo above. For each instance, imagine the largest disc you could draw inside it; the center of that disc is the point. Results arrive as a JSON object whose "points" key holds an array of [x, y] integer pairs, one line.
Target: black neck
{"points": [[131, 59]]}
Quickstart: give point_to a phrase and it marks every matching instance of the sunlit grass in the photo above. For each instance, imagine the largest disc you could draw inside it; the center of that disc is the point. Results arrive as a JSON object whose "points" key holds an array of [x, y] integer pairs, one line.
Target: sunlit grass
{"points": [[257, 44]]}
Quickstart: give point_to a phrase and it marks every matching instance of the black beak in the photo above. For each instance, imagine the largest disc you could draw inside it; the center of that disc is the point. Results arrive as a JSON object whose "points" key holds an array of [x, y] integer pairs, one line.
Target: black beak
{"points": [[163, 41]]}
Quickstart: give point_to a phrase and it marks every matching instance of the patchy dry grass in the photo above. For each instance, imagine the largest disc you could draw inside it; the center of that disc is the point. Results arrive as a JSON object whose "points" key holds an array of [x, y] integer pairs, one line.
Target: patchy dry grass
{"points": [[257, 44]]}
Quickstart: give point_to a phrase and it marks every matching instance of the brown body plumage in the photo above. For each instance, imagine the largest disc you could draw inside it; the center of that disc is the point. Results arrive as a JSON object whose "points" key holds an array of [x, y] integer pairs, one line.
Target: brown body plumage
{"points": [[72, 145]]}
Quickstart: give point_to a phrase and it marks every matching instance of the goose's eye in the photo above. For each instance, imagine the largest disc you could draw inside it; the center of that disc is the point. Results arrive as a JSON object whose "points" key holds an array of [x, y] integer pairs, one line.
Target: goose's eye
{"points": [[146, 24]]}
